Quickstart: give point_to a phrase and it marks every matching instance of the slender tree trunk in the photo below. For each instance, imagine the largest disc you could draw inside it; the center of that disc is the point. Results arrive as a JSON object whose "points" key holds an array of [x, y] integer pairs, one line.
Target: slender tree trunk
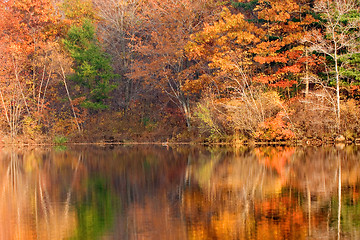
{"points": [[187, 114], [309, 205], [70, 100], [337, 80], [339, 199], [6, 114], [306, 73], [337, 91], [19, 83]]}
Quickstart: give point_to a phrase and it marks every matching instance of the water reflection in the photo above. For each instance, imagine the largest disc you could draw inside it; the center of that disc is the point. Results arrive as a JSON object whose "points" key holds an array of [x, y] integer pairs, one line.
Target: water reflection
{"points": [[184, 193], [277, 193]]}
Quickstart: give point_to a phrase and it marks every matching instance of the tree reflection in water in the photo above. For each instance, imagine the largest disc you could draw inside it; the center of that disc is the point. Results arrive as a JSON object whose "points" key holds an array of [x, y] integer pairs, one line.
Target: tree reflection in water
{"points": [[184, 193], [36, 198], [275, 193], [26, 207]]}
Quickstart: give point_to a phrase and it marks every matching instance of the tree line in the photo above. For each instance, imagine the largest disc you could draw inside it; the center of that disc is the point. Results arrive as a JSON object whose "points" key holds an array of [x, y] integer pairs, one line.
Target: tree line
{"points": [[186, 69]]}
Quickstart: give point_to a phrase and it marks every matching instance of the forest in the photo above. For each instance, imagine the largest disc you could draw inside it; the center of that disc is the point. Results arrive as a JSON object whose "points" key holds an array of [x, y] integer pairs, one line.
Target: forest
{"points": [[179, 70]]}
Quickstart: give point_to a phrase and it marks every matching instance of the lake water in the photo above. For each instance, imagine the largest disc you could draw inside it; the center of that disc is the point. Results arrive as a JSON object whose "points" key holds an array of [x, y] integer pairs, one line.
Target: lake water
{"points": [[155, 192]]}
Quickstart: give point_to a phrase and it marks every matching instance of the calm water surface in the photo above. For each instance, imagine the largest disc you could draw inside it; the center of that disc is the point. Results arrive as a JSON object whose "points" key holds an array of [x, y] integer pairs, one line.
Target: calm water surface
{"points": [[147, 192]]}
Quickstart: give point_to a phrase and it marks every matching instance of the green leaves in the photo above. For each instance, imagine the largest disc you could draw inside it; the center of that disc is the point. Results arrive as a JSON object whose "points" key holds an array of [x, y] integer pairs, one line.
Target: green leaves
{"points": [[352, 70], [92, 66], [245, 5]]}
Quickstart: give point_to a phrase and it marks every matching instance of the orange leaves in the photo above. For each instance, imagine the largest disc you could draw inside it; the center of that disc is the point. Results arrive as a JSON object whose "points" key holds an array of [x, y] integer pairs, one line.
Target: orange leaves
{"points": [[286, 83], [225, 45], [160, 60], [233, 43], [280, 79], [223, 36], [308, 19], [27, 31], [279, 216], [265, 79], [28, 23], [275, 128], [275, 158], [36, 15], [276, 10], [167, 26], [262, 60], [265, 47], [280, 50], [290, 69]]}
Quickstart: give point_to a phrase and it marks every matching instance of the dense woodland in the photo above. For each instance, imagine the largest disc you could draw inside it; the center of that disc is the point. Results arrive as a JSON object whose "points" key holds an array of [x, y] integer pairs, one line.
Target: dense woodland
{"points": [[179, 70]]}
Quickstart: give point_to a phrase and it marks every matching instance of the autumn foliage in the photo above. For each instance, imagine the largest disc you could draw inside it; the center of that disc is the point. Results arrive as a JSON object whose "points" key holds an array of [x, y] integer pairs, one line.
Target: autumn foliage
{"points": [[181, 69]]}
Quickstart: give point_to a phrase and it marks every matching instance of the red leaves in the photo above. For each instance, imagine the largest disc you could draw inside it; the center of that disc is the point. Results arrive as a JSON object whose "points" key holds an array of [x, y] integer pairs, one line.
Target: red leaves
{"points": [[283, 83], [280, 53], [272, 54], [290, 69], [265, 79], [275, 128]]}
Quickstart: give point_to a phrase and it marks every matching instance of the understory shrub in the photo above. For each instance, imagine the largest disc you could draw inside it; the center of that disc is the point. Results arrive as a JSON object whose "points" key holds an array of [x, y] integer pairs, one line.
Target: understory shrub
{"points": [[314, 116], [241, 115]]}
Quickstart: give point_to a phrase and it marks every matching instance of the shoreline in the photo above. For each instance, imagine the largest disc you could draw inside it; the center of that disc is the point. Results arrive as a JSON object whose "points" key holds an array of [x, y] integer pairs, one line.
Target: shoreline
{"points": [[169, 144]]}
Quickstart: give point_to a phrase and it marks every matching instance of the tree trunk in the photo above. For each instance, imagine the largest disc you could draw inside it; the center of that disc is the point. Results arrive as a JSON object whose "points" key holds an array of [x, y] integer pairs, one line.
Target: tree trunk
{"points": [[339, 199], [187, 113], [70, 100], [306, 73], [337, 89]]}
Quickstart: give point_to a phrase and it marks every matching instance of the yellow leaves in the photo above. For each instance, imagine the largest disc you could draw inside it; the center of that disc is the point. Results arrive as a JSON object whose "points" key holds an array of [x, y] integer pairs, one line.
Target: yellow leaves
{"points": [[79, 10], [225, 12], [229, 27]]}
